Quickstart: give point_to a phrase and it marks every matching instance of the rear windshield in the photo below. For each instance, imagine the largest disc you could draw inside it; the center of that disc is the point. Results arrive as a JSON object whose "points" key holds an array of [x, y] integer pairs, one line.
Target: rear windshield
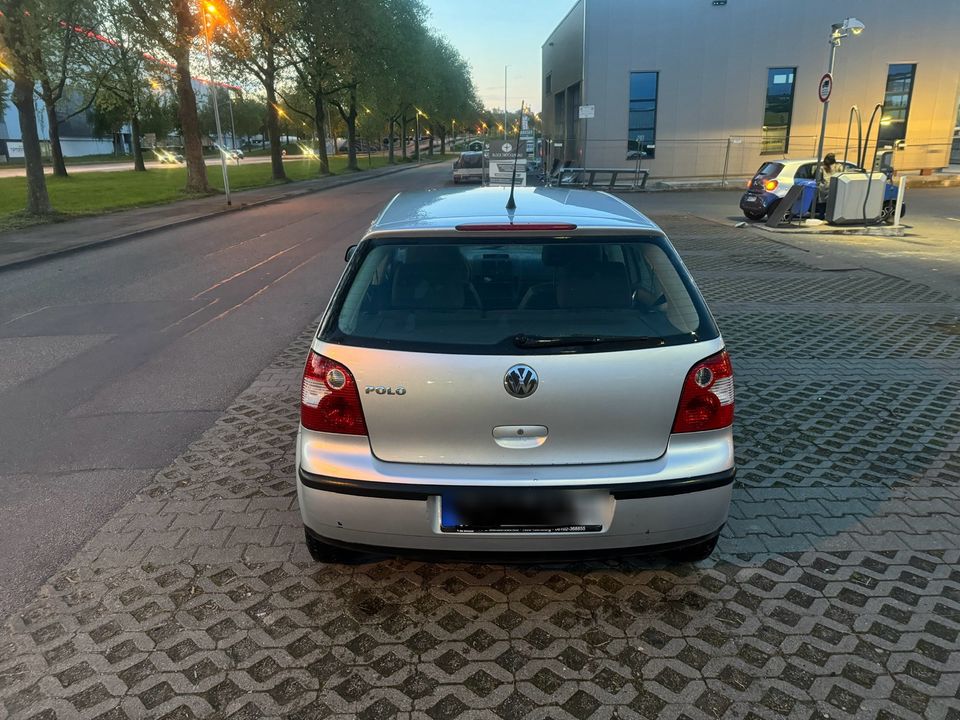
{"points": [[770, 169], [452, 296], [471, 161]]}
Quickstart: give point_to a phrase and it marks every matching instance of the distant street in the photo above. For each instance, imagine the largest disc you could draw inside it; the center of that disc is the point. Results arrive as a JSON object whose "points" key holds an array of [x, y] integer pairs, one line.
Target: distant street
{"points": [[115, 358], [150, 163]]}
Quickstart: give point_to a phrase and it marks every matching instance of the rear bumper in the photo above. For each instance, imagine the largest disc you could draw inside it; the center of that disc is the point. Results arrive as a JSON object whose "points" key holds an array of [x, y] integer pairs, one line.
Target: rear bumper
{"points": [[644, 515], [473, 174], [756, 201]]}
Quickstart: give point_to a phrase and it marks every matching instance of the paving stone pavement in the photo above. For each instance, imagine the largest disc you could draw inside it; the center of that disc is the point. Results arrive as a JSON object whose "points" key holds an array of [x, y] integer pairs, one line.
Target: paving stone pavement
{"points": [[835, 591]]}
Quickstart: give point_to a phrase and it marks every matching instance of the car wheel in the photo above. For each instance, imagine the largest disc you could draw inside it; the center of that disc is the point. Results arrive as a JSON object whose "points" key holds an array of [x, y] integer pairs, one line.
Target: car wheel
{"points": [[331, 554], [889, 209], [695, 553], [754, 214]]}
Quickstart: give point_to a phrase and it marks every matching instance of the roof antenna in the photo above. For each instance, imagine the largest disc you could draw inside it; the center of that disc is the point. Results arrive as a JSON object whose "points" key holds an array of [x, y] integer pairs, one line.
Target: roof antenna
{"points": [[511, 204]]}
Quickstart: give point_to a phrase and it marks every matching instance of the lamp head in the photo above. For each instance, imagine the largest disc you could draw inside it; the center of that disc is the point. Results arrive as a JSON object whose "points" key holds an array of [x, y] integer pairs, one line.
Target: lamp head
{"points": [[853, 25]]}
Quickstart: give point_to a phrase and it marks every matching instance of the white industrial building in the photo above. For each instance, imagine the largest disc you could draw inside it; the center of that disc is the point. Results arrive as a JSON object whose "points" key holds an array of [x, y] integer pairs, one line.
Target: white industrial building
{"points": [[706, 88]]}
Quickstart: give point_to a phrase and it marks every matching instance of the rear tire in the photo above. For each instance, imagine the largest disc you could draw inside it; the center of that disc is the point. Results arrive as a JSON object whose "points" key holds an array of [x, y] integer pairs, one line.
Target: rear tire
{"points": [[695, 553], [331, 554]]}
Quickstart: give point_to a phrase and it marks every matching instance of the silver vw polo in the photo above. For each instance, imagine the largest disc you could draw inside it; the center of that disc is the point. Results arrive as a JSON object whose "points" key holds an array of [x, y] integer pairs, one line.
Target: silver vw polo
{"points": [[532, 382]]}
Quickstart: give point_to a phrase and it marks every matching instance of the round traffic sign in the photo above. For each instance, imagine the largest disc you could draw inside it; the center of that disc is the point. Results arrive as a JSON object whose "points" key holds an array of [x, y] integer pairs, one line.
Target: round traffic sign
{"points": [[825, 87]]}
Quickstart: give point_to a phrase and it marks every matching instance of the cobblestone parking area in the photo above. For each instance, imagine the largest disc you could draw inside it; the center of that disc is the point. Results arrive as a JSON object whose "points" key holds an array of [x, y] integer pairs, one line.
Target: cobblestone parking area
{"points": [[835, 591]]}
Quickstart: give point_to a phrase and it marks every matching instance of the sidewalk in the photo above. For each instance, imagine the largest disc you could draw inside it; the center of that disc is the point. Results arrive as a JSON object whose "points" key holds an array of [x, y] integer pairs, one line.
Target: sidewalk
{"points": [[35, 243]]}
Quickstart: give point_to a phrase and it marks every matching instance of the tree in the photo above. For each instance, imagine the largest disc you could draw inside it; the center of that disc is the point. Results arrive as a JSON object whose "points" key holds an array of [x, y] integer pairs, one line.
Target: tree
{"points": [[451, 90], [395, 92], [64, 31], [125, 86], [159, 113], [19, 36], [252, 35], [310, 56], [173, 26], [358, 56]]}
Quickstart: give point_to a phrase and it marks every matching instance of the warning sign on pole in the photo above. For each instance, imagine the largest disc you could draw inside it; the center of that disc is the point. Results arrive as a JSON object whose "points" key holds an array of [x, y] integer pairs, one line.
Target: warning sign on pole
{"points": [[825, 87]]}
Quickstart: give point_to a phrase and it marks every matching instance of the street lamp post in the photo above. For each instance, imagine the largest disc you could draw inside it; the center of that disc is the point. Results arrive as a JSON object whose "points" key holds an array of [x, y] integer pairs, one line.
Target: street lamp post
{"points": [[216, 105], [417, 143], [505, 101], [838, 31], [233, 126]]}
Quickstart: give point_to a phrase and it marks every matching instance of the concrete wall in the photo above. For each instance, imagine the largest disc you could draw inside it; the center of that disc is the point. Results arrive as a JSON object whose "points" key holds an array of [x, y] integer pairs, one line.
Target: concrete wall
{"points": [[713, 62], [563, 60]]}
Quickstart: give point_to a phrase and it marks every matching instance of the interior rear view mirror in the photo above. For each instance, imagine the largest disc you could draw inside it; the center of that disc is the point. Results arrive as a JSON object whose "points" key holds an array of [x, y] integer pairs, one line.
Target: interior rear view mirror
{"points": [[349, 253]]}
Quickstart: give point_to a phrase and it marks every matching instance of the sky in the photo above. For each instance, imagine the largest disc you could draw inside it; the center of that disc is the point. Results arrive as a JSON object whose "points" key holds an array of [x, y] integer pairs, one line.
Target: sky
{"points": [[494, 33]]}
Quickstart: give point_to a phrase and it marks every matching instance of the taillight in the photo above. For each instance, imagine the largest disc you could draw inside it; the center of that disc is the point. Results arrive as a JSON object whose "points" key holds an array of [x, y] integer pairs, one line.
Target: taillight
{"points": [[771, 185], [706, 401], [329, 399]]}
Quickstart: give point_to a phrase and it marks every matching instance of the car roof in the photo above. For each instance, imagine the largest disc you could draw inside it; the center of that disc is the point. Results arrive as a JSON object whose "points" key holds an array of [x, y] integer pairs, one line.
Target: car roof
{"points": [[445, 208], [472, 152]]}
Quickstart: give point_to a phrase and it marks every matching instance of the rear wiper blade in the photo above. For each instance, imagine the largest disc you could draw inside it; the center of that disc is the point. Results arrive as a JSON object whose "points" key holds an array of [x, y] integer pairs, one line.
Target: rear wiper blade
{"points": [[537, 341]]}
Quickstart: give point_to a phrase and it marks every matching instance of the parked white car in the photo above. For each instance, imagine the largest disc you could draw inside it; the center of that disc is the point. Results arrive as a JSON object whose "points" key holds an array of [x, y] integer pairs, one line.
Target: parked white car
{"points": [[772, 182]]}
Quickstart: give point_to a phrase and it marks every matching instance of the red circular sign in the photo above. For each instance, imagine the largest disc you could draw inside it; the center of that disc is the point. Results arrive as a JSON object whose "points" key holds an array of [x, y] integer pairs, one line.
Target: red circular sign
{"points": [[825, 87]]}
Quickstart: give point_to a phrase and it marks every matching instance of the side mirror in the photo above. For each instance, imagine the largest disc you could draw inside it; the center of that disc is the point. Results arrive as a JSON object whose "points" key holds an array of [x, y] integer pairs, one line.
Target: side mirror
{"points": [[349, 253]]}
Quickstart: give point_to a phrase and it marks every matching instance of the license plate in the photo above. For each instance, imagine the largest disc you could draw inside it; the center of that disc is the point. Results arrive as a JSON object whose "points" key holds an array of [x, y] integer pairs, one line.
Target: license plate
{"points": [[751, 199], [521, 510]]}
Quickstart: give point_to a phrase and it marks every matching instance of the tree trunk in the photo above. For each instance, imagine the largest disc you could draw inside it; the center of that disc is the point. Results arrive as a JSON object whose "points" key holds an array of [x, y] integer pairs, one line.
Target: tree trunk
{"points": [[390, 153], [190, 126], [443, 142], [53, 125], [403, 136], [273, 130], [320, 119], [135, 140], [430, 147], [351, 119], [38, 202]]}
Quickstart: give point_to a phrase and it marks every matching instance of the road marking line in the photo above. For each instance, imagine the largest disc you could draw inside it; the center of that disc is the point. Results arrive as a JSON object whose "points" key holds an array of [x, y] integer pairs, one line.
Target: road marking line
{"points": [[252, 267], [21, 317], [258, 292], [187, 317], [954, 219]]}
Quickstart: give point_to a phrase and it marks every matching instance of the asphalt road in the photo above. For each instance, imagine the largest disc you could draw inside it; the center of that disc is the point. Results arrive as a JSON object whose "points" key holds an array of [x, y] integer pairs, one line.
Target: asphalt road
{"points": [[115, 358]]}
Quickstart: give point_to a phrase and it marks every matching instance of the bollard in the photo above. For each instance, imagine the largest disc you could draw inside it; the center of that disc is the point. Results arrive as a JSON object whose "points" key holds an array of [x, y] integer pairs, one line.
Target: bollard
{"points": [[896, 210]]}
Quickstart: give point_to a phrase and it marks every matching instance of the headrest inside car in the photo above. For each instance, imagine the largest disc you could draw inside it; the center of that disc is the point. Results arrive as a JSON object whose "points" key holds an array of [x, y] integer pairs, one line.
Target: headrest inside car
{"points": [[557, 255]]}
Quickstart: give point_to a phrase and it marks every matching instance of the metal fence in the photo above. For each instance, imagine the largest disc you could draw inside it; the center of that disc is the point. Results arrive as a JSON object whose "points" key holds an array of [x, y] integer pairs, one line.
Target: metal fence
{"points": [[731, 158]]}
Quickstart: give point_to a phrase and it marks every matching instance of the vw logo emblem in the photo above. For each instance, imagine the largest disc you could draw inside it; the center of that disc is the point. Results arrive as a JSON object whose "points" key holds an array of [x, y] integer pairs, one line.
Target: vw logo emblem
{"points": [[521, 381]]}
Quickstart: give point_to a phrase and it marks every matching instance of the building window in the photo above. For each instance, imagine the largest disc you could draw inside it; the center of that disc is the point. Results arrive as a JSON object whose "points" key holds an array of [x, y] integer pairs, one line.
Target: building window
{"points": [[778, 110], [546, 83], [896, 103], [642, 128]]}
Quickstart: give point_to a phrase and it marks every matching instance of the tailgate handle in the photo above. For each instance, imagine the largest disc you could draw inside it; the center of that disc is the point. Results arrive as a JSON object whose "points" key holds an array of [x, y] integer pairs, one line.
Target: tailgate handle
{"points": [[520, 436]]}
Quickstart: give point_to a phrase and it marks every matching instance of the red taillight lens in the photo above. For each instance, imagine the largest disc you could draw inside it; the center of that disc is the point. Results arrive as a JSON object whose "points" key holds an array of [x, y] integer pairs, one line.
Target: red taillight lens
{"points": [[706, 401], [329, 399], [518, 227], [771, 185]]}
